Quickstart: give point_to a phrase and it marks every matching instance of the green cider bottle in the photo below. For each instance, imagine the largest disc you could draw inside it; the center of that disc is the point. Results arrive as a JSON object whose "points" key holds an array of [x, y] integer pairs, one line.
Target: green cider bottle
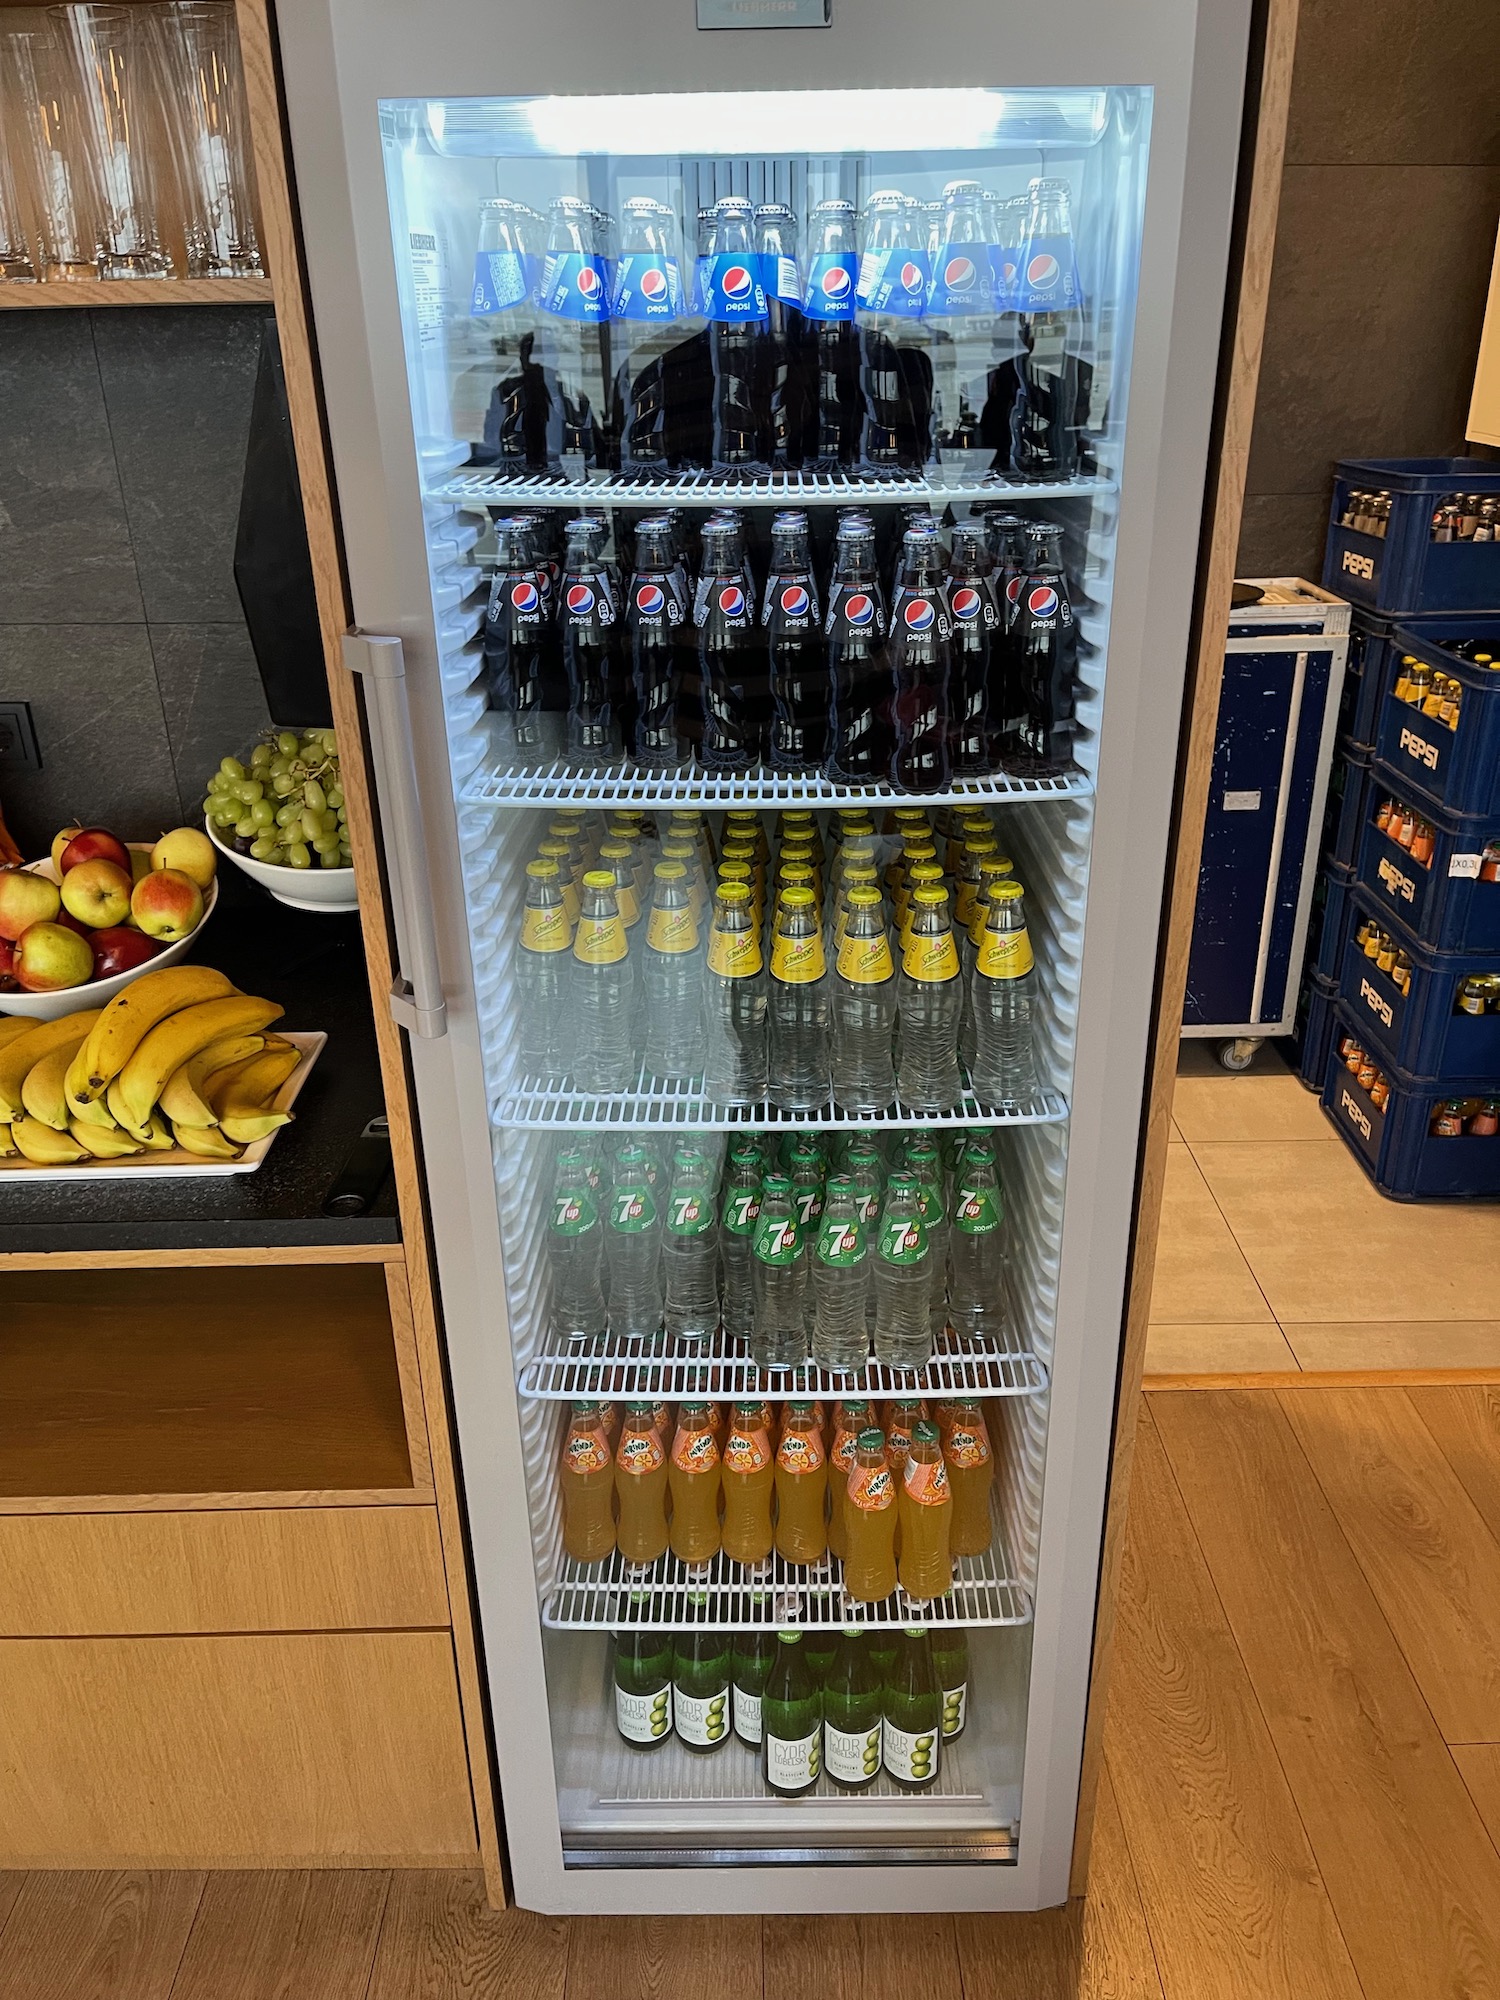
{"points": [[750, 1668], [853, 1697], [643, 1683], [791, 1712], [913, 1712], [700, 1687], [950, 1662], [821, 1648]]}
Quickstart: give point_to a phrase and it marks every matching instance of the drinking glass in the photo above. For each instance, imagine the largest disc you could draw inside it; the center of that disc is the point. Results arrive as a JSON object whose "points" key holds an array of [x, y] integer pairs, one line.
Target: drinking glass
{"points": [[120, 100], [17, 265], [199, 52], [56, 151]]}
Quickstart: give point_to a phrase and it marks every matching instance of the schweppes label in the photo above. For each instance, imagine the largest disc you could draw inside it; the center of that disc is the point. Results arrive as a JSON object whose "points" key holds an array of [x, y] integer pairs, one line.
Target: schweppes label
{"points": [[546, 930], [672, 930], [930, 960], [799, 960], [1005, 954], [599, 941], [866, 961], [734, 954]]}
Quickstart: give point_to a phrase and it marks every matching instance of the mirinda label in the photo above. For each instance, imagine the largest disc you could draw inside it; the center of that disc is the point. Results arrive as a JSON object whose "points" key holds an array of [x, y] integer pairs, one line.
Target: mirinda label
{"points": [[734, 954], [872, 1487], [695, 1451], [640, 1452], [931, 960], [1005, 954], [798, 961], [599, 941], [800, 1451], [747, 1451], [865, 961], [546, 930], [927, 1483], [967, 1445], [586, 1450], [672, 930]]}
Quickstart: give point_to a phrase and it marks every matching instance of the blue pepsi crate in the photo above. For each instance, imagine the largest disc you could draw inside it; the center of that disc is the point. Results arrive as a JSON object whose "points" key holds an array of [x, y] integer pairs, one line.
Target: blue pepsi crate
{"points": [[1418, 1030], [1364, 679], [1405, 569], [1315, 1030], [1326, 924], [1449, 903], [1457, 768], [1393, 1142], [1344, 810]]}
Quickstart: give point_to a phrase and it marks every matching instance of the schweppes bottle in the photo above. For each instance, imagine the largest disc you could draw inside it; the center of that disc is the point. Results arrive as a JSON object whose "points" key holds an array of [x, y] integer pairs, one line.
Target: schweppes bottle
{"points": [[929, 999], [1004, 998], [542, 974], [799, 1075], [864, 1005], [601, 987], [734, 1003]]}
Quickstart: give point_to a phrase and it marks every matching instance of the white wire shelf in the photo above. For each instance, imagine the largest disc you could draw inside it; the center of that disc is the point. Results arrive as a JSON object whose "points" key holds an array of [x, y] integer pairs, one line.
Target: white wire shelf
{"points": [[675, 1775], [654, 1106], [565, 783], [620, 1368], [478, 487]]}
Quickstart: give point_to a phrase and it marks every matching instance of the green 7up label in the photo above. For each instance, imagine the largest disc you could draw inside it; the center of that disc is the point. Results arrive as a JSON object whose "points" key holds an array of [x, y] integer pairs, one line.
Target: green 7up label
{"points": [[976, 1211], [741, 1210], [632, 1209], [903, 1241], [776, 1239], [689, 1215], [573, 1213]]}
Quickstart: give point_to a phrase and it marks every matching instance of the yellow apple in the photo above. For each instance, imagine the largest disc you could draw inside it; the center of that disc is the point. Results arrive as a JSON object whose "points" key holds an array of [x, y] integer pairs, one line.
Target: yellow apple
{"points": [[69, 832], [25, 899], [189, 850], [167, 904], [50, 957], [97, 893]]}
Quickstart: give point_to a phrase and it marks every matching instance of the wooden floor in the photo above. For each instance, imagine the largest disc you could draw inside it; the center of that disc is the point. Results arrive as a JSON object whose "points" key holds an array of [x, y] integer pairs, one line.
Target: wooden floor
{"points": [[1302, 1796]]}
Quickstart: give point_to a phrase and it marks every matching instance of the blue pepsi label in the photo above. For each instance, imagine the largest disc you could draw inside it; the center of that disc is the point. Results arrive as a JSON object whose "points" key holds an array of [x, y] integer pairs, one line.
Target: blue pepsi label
{"points": [[657, 600], [730, 289], [575, 285], [917, 612], [588, 600], [722, 596], [1047, 275], [894, 281], [973, 604], [1003, 263], [500, 282], [791, 604], [859, 609], [647, 287], [831, 282], [961, 282], [780, 279]]}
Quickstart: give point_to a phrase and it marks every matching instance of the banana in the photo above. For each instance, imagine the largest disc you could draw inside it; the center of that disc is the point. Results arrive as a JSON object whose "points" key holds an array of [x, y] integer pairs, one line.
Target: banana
{"points": [[121, 1117], [12, 1025], [181, 1097], [9, 1150], [207, 1140], [133, 1013], [91, 1110], [250, 1085], [104, 1145], [179, 1038], [159, 1135], [42, 1087], [246, 1126], [38, 1142], [22, 1051]]}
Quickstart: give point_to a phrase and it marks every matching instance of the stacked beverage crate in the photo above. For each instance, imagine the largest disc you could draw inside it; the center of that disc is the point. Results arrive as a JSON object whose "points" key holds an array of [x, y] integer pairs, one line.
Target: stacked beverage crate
{"points": [[1407, 965]]}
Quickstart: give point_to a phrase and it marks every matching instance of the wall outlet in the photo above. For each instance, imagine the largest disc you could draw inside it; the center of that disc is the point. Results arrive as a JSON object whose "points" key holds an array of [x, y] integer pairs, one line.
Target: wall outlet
{"points": [[19, 750]]}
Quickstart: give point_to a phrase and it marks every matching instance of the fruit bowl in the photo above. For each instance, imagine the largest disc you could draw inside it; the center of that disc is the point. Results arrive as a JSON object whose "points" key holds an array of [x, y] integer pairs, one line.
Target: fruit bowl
{"points": [[95, 992], [328, 889]]}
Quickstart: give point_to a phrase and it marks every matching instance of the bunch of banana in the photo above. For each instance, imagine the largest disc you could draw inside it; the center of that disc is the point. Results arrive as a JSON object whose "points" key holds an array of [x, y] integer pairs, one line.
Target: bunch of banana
{"points": [[179, 1058]]}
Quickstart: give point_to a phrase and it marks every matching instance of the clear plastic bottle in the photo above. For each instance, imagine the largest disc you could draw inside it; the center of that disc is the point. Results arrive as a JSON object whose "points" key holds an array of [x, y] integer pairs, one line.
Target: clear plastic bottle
{"points": [[542, 971], [903, 1260], [634, 1243], [993, 868], [1003, 1000], [601, 987], [799, 1006], [864, 1008], [671, 987], [739, 1211], [575, 1251], [976, 1297], [690, 1253], [840, 1282], [734, 1003], [780, 1250], [929, 1000], [924, 1159]]}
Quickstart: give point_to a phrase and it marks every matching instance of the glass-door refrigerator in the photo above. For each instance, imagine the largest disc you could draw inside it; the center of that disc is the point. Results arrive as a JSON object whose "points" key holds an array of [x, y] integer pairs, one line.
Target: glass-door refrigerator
{"points": [[770, 459]]}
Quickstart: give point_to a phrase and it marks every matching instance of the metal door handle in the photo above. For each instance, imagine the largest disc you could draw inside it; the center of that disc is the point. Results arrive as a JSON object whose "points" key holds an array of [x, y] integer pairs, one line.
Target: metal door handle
{"points": [[416, 1001]]}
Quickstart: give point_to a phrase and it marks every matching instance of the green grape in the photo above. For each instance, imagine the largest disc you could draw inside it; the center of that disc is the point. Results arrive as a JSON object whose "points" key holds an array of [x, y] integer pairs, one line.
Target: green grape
{"points": [[246, 828], [283, 784], [313, 796], [287, 814], [263, 849], [331, 858], [260, 756], [327, 843], [286, 743], [225, 815], [251, 790], [299, 854], [336, 799], [232, 767], [263, 812]]}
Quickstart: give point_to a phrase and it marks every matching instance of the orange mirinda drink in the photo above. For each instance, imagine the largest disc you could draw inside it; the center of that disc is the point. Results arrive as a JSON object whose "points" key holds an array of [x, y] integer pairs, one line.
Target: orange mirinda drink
{"points": [[640, 1487], [849, 1419], [926, 1506], [748, 1474], [901, 1417], [693, 1481], [970, 1459], [588, 1486], [801, 1487], [870, 1522]]}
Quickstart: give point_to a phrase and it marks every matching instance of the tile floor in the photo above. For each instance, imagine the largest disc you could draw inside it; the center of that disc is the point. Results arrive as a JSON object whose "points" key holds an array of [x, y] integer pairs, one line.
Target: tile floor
{"points": [[1277, 1256]]}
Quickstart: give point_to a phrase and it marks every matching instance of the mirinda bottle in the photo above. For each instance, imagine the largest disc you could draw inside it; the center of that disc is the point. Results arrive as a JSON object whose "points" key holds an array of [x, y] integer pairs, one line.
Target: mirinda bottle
{"points": [[870, 1523], [849, 1419], [970, 1459], [748, 1477], [926, 1507], [693, 1481], [588, 1486], [641, 1487], [801, 1487]]}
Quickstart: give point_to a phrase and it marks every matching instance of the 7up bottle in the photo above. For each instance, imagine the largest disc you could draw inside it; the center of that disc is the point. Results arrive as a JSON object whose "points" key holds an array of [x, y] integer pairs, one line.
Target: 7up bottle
{"points": [[976, 1300], [780, 1253], [840, 1282], [643, 1682], [738, 1214], [903, 1256], [689, 1253], [633, 1238]]}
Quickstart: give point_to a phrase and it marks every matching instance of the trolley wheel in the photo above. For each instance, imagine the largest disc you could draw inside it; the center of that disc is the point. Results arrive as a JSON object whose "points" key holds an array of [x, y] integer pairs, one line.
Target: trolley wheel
{"points": [[1239, 1053]]}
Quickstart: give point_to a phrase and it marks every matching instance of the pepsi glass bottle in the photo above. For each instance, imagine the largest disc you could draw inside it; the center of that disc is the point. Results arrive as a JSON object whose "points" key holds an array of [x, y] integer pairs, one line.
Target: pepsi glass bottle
{"points": [[859, 683], [1005, 540], [1055, 377], [978, 644], [516, 635], [647, 310], [732, 299], [728, 651], [1045, 641], [921, 667], [828, 301], [784, 351], [895, 372], [655, 622], [586, 628], [794, 651]]}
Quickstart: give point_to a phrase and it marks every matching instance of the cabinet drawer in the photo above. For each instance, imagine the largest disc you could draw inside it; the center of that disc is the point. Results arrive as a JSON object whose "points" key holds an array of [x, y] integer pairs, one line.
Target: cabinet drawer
{"points": [[271, 1569]]}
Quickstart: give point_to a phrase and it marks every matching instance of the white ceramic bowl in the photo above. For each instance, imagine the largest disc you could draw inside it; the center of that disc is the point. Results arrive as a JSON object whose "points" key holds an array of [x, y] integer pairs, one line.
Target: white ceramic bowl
{"points": [[327, 889], [72, 999]]}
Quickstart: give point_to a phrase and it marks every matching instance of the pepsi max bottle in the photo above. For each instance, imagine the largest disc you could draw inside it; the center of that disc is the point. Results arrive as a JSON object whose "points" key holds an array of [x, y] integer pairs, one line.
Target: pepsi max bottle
{"points": [[962, 292], [895, 372], [1005, 541], [732, 299], [1045, 648], [570, 342], [1054, 377], [656, 615], [517, 636], [921, 666], [587, 630], [794, 651], [859, 750], [978, 651], [784, 385], [828, 301], [729, 656], [647, 309]]}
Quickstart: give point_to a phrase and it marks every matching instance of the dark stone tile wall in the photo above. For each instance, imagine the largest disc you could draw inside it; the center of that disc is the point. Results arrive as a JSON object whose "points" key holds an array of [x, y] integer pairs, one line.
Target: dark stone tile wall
{"points": [[122, 447], [1389, 199]]}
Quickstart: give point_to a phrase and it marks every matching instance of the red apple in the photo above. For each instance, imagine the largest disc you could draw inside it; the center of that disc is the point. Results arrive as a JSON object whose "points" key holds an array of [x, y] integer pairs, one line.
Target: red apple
{"points": [[167, 904], [97, 893], [72, 923], [7, 965], [25, 899], [120, 950], [95, 843], [50, 958]]}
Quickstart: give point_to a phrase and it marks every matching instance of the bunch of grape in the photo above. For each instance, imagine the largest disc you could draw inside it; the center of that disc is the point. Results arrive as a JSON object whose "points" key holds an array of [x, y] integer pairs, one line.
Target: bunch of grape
{"points": [[287, 806]]}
